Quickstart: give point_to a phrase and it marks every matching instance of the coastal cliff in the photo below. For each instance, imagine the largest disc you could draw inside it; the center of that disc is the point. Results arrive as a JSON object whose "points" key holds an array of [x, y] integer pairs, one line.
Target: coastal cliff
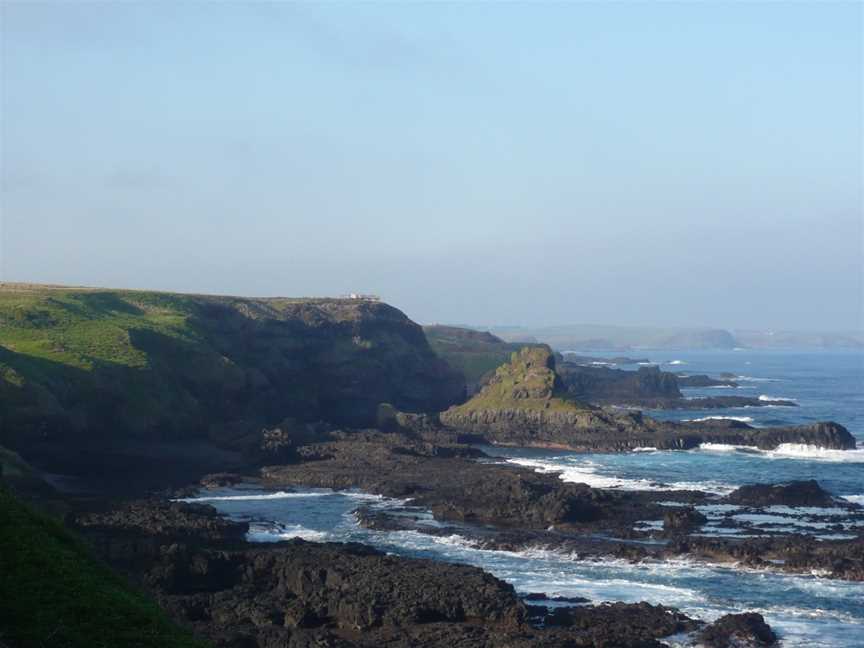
{"points": [[81, 366]]}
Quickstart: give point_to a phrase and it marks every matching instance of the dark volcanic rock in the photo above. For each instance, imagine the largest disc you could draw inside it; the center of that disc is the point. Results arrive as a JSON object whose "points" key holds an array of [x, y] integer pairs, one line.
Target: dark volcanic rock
{"points": [[701, 380], [747, 630], [641, 620], [539, 596], [298, 594], [189, 522], [683, 520], [445, 479], [842, 559], [796, 493], [220, 480], [605, 385]]}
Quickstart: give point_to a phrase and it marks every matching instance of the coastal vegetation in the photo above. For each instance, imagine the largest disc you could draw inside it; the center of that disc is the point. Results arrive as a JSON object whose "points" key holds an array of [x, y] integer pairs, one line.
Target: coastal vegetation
{"points": [[86, 363], [55, 593], [477, 354]]}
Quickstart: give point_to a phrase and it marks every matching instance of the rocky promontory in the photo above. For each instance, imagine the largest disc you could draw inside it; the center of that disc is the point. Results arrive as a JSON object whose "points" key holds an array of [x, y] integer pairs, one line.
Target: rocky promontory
{"points": [[526, 404]]}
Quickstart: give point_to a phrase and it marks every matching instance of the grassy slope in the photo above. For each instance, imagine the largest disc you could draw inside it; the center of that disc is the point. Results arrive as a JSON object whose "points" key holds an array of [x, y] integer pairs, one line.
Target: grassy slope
{"points": [[527, 382], [474, 353], [57, 341], [54, 593], [141, 363]]}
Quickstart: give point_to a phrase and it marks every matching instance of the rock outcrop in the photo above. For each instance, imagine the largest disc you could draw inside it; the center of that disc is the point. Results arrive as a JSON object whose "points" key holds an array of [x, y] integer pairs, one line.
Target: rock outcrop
{"points": [[796, 493], [649, 387], [526, 404], [747, 630]]}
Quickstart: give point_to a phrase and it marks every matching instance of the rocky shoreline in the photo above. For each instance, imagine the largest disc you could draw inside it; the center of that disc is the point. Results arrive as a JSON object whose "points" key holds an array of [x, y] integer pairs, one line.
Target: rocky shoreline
{"points": [[300, 594], [503, 506], [203, 572]]}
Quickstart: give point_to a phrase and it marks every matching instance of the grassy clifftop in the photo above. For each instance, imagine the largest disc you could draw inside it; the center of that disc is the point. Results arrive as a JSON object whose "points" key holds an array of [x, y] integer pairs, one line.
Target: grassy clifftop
{"points": [[78, 363]]}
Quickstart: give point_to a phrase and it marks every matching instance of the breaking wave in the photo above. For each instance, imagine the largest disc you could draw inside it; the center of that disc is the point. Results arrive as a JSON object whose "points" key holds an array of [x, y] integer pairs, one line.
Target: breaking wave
{"points": [[279, 495], [586, 472], [259, 533], [742, 419], [791, 451]]}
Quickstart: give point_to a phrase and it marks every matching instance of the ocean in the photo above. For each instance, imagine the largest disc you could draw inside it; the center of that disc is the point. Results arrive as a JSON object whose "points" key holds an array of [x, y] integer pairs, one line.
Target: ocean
{"points": [[803, 609]]}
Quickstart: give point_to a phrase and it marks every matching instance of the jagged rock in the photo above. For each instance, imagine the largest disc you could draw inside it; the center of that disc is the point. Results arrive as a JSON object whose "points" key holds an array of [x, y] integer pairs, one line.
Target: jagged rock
{"points": [[682, 520], [606, 385], [796, 493], [297, 593], [702, 380], [747, 630], [220, 480]]}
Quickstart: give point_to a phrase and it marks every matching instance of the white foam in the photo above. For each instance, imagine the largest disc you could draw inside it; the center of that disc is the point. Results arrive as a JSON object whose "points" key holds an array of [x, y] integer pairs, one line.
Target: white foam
{"points": [[791, 451], [725, 447], [806, 510], [258, 496], [285, 532], [586, 473], [855, 499], [454, 541], [278, 495], [677, 362], [742, 419], [817, 453], [766, 397]]}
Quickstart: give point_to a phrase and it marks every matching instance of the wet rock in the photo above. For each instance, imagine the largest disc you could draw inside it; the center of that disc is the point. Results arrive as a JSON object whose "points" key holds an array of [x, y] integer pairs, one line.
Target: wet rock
{"points": [[747, 630], [683, 520], [220, 480], [540, 596], [796, 493], [298, 594], [615, 621]]}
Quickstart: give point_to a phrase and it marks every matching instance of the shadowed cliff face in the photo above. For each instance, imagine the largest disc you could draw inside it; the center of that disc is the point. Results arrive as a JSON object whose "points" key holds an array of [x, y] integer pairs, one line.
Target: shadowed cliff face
{"points": [[115, 365]]}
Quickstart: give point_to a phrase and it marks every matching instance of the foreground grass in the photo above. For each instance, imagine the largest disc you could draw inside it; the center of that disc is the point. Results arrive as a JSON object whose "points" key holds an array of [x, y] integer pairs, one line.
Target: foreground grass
{"points": [[54, 594]]}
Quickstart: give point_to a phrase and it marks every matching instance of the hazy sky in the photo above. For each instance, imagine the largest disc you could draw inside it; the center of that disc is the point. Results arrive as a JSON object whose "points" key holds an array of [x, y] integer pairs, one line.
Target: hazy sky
{"points": [[522, 163]]}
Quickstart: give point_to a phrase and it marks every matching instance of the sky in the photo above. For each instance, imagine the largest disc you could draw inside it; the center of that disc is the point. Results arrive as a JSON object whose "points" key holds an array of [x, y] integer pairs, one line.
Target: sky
{"points": [[672, 164]]}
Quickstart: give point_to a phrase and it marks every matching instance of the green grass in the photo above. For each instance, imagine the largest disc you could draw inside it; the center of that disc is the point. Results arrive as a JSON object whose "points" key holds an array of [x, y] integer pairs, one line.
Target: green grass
{"points": [[121, 364], [81, 329], [54, 594], [476, 354], [527, 382]]}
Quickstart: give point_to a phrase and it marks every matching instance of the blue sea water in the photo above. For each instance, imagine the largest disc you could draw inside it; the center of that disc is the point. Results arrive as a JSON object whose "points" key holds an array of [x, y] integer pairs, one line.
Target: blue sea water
{"points": [[805, 610]]}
